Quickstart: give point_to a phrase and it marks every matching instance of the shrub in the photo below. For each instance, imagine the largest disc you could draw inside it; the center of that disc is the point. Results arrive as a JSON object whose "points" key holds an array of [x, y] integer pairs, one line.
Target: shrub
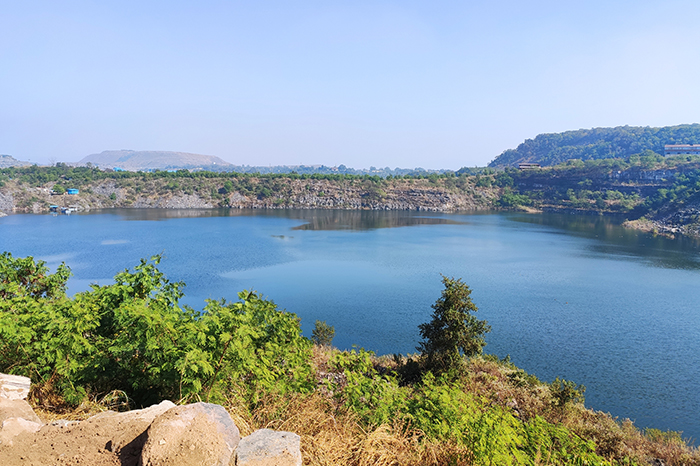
{"points": [[133, 335]]}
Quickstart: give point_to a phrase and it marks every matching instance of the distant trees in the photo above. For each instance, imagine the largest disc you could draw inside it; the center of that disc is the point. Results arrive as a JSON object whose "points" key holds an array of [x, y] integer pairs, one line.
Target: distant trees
{"points": [[598, 143], [454, 332]]}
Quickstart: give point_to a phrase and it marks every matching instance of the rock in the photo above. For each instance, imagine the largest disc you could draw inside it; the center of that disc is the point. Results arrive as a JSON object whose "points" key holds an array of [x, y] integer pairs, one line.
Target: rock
{"points": [[191, 435], [15, 426], [17, 409], [128, 428], [267, 447], [14, 387]]}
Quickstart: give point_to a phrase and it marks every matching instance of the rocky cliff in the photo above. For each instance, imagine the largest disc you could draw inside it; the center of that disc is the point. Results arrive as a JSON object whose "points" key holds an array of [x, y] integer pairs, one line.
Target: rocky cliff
{"points": [[254, 193]]}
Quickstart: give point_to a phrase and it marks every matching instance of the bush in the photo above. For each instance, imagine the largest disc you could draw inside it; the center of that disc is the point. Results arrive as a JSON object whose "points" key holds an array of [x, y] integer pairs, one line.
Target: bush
{"points": [[134, 336]]}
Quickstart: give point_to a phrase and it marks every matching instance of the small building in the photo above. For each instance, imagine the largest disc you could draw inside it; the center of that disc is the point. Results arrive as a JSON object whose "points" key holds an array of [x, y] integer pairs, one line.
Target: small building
{"points": [[73, 191], [681, 149], [528, 166]]}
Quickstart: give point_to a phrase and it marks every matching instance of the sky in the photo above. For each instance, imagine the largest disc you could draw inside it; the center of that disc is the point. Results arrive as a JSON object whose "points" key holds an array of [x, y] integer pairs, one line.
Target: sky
{"points": [[432, 84]]}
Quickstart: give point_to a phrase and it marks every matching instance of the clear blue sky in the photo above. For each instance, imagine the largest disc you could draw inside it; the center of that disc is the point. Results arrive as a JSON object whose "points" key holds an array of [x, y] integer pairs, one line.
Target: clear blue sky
{"points": [[435, 84]]}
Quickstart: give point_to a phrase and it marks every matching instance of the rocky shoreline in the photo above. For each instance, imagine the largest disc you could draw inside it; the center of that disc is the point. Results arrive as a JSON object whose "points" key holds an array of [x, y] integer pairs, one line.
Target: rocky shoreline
{"points": [[421, 195], [416, 195]]}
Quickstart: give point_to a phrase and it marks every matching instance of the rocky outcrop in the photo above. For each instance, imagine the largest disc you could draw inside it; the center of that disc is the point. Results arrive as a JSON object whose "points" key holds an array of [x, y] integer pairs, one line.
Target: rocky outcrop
{"points": [[163, 434]]}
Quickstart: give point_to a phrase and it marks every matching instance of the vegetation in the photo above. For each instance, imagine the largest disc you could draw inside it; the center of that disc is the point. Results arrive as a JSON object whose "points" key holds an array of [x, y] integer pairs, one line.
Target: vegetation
{"points": [[454, 332], [350, 407], [597, 143], [134, 336], [322, 334]]}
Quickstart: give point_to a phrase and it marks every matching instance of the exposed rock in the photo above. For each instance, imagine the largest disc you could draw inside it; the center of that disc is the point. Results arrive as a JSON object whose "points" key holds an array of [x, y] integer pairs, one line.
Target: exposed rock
{"points": [[14, 387], [7, 203], [267, 447], [108, 438], [15, 426], [196, 434], [16, 409]]}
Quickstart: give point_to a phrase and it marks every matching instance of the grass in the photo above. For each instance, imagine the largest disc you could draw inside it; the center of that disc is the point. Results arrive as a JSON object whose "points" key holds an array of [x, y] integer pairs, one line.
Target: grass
{"points": [[332, 434]]}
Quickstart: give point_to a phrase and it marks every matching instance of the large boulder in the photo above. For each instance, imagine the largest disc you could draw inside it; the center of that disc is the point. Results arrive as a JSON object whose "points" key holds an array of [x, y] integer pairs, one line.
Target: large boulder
{"points": [[267, 447], [14, 387], [199, 434]]}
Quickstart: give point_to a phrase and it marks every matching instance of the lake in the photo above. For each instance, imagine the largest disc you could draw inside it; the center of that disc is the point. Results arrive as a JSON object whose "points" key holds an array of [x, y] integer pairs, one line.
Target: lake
{"points": [[566, 296]]}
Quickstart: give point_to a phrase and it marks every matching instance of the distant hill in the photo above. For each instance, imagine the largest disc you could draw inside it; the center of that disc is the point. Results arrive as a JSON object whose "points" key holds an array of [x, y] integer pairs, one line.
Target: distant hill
{"points": [[9, 161], [154, 160], [597, 143]]}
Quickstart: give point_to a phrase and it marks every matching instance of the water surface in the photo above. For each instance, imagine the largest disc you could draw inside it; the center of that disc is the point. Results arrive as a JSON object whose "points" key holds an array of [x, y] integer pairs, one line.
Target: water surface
{"points": [[573, 297]]}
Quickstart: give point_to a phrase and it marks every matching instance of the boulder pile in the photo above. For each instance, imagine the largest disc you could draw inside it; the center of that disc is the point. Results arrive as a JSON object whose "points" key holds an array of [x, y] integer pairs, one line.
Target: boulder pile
{"points": [[163, 434]]}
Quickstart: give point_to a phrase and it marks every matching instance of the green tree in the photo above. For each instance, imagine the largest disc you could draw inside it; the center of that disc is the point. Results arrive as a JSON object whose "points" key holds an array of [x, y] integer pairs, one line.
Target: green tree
{"points": [[453, 332], [322, 333]]}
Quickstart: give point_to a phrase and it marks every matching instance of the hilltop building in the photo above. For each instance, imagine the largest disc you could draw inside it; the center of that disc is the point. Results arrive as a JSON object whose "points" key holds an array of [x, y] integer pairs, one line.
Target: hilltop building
{"points": [[681, 149]]}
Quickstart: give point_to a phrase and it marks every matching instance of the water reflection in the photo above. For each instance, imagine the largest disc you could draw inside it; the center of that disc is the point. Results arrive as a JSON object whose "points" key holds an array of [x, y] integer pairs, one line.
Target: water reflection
{"points": [[615, 240], [316, 219], [368, 220]]}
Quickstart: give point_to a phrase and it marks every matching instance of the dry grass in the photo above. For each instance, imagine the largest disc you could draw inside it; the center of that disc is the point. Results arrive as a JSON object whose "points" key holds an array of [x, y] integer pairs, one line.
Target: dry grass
{"points": [[333, 435]]}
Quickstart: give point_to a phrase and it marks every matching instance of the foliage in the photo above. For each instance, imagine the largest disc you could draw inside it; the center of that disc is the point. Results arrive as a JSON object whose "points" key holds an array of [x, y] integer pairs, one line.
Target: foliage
{"points": [[598, 143], [565, 392], [377, 399], [322, 333], [453, 332], [510, 199], [133, 335]]}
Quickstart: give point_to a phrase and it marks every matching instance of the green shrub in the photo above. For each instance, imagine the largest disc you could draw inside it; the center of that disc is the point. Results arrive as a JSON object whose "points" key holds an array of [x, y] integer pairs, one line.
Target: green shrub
{"points": [[133, 335]]}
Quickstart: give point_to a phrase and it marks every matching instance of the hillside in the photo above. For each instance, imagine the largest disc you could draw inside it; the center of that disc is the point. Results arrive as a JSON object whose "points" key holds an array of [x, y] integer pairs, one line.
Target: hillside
{"points": [[660, 194], [153, 160], [597, 143], [9, 161]]}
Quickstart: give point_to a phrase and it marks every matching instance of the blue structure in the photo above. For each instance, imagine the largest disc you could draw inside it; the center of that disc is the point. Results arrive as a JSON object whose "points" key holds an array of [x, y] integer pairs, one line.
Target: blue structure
{"points": [[73, 191]]}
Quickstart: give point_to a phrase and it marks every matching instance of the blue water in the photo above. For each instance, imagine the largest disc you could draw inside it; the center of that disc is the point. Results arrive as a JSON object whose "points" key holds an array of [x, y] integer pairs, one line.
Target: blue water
{"points": [[572, 297]]}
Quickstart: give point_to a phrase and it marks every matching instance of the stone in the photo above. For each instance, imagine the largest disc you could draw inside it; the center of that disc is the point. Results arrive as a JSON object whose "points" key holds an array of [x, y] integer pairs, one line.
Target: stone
{"points": [[14, 387], [267, 447], [200, 434], [17, 409], [15, 426]]}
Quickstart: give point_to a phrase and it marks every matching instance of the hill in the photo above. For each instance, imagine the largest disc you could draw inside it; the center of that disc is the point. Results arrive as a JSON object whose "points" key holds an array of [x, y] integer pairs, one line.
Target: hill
{"points": [[9, 161], [153, 160], [597, 143]]}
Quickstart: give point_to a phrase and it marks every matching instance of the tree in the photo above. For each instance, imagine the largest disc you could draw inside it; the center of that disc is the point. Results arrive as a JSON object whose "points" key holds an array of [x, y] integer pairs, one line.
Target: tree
{"points": [[454, 332], [322, 334]]}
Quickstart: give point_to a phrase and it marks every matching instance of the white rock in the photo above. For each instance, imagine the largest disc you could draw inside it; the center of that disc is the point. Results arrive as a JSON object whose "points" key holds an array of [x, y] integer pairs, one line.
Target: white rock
{"points": [[14, 387]]}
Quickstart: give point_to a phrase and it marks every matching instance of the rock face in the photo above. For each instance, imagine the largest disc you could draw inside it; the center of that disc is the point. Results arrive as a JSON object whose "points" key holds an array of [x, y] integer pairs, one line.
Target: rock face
{"points": [[267, 447], [191, 435]]}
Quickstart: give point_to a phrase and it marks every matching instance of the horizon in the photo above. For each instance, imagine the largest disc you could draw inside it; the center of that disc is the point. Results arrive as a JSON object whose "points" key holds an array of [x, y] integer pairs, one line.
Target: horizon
{"points": [[388, 84]]}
